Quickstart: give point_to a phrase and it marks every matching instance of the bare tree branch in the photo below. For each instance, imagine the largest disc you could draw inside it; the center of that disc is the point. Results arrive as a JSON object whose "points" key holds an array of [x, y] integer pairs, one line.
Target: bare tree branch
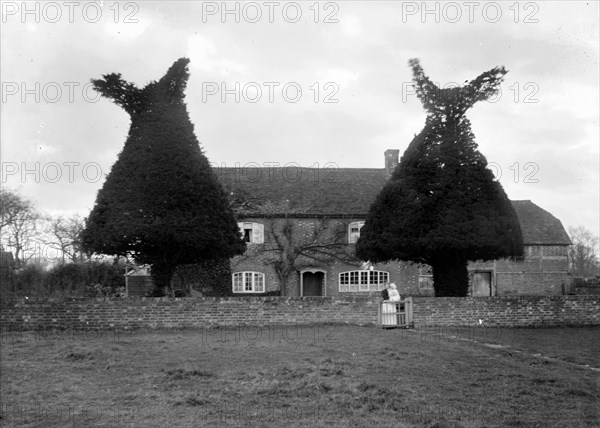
{"points": [[19, 220], [290, 247], [583, 254]]}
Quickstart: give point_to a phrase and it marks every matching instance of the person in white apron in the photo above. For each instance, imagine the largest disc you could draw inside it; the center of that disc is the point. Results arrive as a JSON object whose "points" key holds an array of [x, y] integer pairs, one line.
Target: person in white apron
{"points": [[389, 307], [393, 294]]}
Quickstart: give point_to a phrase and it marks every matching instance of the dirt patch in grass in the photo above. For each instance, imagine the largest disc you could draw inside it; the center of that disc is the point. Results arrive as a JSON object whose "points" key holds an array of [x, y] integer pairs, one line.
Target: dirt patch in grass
{"points": [[313, 376]]}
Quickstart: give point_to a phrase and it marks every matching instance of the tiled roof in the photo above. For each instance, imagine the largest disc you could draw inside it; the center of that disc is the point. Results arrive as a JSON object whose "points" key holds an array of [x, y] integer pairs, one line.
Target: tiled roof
{"points": [[347, 192], [539, 226], [308, 191]]}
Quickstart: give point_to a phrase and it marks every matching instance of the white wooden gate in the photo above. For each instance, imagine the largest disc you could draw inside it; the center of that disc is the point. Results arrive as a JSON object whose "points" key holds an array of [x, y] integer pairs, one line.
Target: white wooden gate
{"points": [[395, 314]]}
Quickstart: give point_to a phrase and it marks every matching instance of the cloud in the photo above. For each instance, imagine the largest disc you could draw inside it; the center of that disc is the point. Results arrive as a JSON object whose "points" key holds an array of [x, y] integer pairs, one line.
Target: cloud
{"points": [[126, 31], [205, 56], [338, 76], [350, 25]]}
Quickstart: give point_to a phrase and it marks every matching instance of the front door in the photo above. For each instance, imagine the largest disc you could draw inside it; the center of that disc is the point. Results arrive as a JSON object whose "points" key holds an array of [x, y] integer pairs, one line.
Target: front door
{"points": [[482, 284], [312, 283]]}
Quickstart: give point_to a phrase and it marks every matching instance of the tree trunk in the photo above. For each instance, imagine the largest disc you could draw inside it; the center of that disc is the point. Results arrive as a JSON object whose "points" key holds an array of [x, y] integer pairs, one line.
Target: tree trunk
{"points": [[450, 275], [161, 275]]}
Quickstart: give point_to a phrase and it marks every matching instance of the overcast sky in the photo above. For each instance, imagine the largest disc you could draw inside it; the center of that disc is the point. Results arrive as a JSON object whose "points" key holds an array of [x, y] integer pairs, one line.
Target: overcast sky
{"points": [[540, 135]]}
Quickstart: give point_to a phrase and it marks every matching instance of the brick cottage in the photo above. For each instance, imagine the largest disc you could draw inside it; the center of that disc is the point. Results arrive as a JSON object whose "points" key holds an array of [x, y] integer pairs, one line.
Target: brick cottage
{"points": [[301, 226]]}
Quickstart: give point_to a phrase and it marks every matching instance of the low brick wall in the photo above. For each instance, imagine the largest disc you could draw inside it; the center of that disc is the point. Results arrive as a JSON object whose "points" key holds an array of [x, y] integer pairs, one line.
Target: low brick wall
{"points": [[587, 289], [202, 312], [233, 311], [507, 311]]}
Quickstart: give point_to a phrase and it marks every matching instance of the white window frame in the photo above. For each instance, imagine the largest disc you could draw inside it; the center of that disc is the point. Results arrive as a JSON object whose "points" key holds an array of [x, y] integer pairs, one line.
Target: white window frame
{"points": [[248, 282], [353, 236], [257, 234], [363, 280], [425, 282]]}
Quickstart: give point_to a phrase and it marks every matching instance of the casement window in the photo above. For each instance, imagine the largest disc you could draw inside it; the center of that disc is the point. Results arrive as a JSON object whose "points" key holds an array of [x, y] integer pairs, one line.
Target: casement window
{"points": [[363, 280], [248, 282], [354, 231], [426, 283], [253, 233]]}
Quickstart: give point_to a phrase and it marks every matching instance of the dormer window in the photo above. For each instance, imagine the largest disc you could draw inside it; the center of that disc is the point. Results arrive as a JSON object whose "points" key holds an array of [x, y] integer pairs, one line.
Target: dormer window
{"points": [[354, 231], [252, 233]]}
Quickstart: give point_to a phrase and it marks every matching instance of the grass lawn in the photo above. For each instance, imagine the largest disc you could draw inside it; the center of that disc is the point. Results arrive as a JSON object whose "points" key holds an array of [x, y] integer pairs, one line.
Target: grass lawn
{"points": [[313, 376], [575, 345]]}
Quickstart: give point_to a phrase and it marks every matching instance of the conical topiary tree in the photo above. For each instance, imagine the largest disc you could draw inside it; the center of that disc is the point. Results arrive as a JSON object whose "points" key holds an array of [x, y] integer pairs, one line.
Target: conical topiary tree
{"points": [[442, 206], [161, 202]]}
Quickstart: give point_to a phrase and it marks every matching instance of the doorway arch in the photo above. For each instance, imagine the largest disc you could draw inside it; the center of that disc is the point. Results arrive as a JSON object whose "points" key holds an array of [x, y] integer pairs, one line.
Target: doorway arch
{"points": [[312, 282]]}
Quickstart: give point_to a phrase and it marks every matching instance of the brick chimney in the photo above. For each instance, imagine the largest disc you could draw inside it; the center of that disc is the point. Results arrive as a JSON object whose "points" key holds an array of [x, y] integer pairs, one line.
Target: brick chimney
{"points": [[391, 159]]}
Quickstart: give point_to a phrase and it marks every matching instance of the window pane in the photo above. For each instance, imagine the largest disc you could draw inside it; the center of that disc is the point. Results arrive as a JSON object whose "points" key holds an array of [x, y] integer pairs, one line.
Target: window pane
{"points": [[373, 277], [247, 281], [259, 282], [534, 251], [237, 282], [364, 281], [354, 231], [425, 282], [364, 277]]}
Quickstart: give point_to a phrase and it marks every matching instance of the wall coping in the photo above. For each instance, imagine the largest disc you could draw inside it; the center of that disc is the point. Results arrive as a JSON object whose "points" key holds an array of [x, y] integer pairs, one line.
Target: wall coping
{"points": [[20, 301], [187, 299]]}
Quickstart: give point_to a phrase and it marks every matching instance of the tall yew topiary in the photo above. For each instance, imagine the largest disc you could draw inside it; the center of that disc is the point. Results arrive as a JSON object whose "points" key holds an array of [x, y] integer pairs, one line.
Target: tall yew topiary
{"points": [[442, 206], [161, 202]]}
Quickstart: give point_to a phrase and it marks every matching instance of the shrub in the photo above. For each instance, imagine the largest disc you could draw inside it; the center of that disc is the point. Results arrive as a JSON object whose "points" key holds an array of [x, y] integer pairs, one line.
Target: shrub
{"points": [[87, 279], [30, 281], [211, 278]]}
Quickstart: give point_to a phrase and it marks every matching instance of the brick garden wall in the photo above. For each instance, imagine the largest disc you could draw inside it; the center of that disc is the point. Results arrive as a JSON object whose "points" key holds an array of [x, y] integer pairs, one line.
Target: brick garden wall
{"points": [[190, 312], [587, 289], [508, 311], [227, 311]]}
